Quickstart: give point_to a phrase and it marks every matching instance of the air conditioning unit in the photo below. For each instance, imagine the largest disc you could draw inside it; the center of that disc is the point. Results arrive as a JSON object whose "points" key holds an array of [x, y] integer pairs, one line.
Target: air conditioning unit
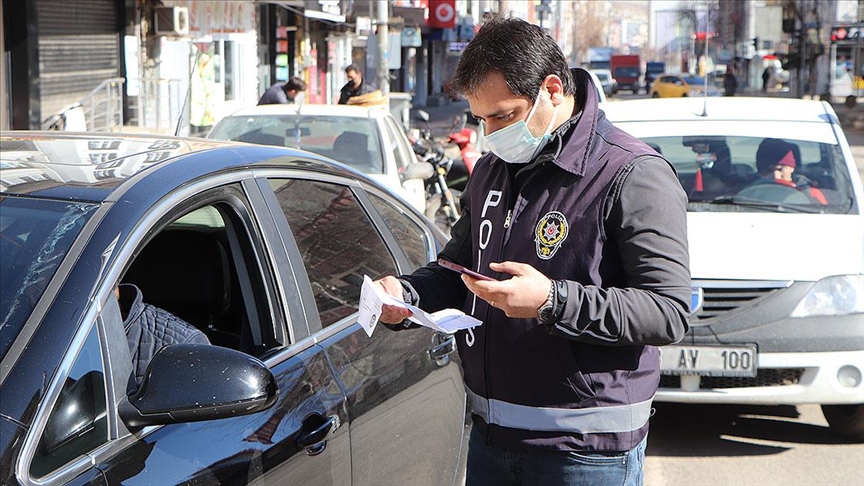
{"points": [[171, 21]]}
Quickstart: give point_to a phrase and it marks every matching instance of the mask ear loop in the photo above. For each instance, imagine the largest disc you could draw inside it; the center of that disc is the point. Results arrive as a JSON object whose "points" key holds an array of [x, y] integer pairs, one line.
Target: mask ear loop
{"points": [[551, 121], [534, 108]]}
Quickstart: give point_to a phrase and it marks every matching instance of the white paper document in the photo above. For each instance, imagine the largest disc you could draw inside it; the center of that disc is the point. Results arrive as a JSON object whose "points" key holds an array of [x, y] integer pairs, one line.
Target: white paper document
{"points": [[372, 298]]}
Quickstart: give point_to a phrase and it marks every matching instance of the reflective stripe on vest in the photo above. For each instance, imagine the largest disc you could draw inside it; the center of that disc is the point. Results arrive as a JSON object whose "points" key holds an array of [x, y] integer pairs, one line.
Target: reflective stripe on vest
{"points": [[596, 420]]}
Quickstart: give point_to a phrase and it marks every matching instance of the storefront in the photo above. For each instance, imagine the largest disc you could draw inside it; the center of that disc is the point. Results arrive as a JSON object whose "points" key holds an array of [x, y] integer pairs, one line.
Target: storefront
{"points": [[847, 60], [56, 55], [217, 59]]}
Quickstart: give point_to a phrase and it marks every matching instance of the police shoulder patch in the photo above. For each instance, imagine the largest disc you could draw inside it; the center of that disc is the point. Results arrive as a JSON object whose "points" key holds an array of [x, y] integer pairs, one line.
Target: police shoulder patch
{"points": [[549, 233]]}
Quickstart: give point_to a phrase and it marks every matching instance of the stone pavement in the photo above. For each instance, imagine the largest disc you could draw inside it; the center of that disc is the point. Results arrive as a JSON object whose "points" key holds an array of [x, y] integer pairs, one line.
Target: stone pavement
{"points": [[852, 120]]}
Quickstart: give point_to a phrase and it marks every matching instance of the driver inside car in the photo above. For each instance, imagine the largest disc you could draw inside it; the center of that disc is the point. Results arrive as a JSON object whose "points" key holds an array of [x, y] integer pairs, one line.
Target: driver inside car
{"points": [[149, 329], [776, 162]]}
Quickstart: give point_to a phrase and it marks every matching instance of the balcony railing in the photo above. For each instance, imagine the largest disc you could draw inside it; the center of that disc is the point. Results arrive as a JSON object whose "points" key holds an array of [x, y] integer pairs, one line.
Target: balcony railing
{"points": [[158, 105], [99, 111]]}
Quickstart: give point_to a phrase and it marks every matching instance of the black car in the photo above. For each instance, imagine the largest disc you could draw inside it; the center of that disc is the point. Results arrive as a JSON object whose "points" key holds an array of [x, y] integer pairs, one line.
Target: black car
{"points": [[263, 249]]}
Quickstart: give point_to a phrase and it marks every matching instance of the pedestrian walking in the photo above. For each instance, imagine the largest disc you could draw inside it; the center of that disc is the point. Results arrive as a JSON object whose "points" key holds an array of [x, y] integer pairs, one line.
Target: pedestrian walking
{"points": [[730, 83], [583, 229]]}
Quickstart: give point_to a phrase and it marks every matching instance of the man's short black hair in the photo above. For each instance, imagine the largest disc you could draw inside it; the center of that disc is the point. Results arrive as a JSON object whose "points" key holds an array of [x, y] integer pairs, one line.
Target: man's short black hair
{"points": [[294, 83], [352, 67], [523, 53]]}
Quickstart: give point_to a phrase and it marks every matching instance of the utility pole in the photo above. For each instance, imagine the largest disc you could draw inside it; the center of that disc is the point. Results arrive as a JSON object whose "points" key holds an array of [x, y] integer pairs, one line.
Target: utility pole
{"points": [[383, 37]]}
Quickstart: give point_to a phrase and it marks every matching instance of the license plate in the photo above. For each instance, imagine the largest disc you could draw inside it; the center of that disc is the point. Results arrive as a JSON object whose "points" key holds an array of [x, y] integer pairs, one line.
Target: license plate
{"points": [[708, 360]]}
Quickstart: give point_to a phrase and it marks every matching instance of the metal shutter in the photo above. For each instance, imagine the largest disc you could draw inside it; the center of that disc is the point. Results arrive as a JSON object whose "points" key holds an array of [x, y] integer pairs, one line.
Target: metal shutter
{"points": [[79, 47]]}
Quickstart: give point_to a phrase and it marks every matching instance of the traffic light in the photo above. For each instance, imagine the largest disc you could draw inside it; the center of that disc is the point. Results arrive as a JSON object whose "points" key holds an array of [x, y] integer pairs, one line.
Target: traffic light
{"points": [[756, 43]]}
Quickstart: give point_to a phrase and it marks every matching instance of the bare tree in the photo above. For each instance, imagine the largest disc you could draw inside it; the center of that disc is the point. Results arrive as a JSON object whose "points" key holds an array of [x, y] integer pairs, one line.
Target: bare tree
{"points": [[589, 30]]}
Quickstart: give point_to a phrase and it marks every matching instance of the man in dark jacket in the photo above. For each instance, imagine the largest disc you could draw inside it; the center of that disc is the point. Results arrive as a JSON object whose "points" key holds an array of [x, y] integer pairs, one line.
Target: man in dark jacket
{"points": [[280, 93], [355, 85], [584, 229], [149, 329]]}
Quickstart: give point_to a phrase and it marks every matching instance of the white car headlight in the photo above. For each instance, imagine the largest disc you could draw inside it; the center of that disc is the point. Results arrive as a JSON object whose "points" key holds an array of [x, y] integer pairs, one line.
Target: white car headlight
{"points": [[833, 296]]}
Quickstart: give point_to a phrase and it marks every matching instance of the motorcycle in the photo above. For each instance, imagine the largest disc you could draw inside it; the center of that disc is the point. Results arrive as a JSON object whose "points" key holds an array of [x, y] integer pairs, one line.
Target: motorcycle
{"points": [[441, 201], [465, 138]]}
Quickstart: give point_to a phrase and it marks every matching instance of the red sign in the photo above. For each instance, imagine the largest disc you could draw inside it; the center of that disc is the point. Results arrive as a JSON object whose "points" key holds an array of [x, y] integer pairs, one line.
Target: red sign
{"points": [[442, 14]]}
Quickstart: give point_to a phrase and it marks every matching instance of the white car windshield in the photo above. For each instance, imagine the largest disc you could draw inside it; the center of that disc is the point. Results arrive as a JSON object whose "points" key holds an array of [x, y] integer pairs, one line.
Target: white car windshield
{"points": [[739, 173]]}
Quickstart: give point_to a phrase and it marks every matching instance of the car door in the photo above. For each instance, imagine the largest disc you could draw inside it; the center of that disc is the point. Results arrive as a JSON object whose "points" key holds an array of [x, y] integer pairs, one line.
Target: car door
{"points": [[406, 400], [298, 440]]}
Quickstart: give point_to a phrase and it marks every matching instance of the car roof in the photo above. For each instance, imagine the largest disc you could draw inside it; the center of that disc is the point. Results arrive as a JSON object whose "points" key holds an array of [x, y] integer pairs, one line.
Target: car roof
{"points": [[727, 108], [730, 116], [374, 111], [94, 167]]}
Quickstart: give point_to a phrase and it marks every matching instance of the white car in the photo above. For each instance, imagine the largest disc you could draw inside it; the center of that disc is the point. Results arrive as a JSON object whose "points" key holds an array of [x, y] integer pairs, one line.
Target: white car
{"points": [[368, 139], [777, 271], [604, 79]]}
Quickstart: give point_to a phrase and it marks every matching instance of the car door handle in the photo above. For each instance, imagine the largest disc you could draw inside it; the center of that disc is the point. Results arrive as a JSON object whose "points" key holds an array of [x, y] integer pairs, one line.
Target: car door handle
{"points": [[314, 432], [440, 352]]}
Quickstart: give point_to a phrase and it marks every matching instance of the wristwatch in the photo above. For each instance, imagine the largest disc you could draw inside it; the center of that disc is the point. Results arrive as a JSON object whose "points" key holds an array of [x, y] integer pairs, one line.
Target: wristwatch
{"points": [[545, 312]]}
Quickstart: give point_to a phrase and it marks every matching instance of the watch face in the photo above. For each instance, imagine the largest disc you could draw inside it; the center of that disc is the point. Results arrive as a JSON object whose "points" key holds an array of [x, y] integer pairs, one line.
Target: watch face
{"points": [[545, 312]]}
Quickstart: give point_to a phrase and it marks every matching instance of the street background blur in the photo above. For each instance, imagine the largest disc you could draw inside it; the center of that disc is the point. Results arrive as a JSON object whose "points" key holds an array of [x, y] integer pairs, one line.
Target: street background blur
{"points": [[179, 66]]}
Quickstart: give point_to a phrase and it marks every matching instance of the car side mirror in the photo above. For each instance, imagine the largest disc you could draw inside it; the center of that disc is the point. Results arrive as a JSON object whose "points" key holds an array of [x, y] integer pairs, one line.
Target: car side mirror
{"points": [[192, 382], [418, 170]]}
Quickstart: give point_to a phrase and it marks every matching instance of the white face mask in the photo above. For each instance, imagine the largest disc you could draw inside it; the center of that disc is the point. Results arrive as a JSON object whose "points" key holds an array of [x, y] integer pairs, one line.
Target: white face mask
{"points": [[516, 144]]}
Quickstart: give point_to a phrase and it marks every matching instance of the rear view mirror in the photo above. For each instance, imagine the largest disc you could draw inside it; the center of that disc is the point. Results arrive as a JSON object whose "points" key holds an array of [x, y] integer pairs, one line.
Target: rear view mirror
{"points": [[418, 170]]}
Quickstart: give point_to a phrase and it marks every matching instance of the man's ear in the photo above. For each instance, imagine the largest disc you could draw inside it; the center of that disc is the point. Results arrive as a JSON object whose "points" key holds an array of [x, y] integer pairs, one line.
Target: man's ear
{"points": [[555, 87]]}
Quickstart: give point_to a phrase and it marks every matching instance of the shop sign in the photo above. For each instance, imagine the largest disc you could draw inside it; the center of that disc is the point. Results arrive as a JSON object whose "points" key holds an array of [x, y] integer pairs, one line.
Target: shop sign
{"points": [[442, 14], [847, 32], [456, 48], [411, 37]]}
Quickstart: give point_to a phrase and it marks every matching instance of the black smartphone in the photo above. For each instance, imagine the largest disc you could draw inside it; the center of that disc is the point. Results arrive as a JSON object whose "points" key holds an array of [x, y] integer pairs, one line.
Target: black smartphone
{"points": [[459, 268]]}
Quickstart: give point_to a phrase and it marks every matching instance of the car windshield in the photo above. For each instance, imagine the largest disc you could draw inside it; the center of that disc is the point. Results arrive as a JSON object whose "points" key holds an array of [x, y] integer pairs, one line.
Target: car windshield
{"points": [[35, 236], [695, 81], [626, 72], [720, 173], [353, 141]]}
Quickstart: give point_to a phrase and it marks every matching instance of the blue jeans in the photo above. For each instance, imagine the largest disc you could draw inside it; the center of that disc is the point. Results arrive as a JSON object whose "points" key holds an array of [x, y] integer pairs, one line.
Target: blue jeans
{"points": [[492, 466]]}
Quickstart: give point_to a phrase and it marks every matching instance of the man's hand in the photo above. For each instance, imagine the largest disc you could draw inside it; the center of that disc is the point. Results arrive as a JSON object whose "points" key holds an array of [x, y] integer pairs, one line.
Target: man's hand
{"points": [[519, 296], [391, 314]]}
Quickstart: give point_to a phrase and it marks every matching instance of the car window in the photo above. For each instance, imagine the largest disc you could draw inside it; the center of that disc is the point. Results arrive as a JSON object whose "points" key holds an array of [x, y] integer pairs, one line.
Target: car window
{"points": [[200, 267], [721, 173], [35, 235], [398, 146], [626, 72], [337, 240], [411, 236], [78, 422], [351, 140]]}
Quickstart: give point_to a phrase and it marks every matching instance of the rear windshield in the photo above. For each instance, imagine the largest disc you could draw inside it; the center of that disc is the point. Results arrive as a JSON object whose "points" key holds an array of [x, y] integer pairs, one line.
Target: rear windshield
{"points": [[353, 141], [35, 236], [732, 173]]}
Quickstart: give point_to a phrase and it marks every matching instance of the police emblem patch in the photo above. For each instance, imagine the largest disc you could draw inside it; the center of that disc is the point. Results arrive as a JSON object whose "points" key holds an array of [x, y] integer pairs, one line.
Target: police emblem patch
{"points": [[550, 232]]}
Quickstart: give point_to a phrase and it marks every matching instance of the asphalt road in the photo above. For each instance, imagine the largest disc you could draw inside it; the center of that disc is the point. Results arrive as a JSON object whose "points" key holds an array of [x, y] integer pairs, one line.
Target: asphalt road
{"points": [[747, 445], [855, 136]]}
